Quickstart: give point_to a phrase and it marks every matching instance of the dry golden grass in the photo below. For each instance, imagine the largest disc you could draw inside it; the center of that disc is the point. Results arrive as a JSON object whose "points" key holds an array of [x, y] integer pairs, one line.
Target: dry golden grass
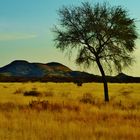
{"points": [[71, 112]]}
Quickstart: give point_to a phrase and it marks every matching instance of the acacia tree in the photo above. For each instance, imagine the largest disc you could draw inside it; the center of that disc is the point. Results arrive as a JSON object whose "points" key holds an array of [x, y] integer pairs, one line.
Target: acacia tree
{"points": [[101, 33]]}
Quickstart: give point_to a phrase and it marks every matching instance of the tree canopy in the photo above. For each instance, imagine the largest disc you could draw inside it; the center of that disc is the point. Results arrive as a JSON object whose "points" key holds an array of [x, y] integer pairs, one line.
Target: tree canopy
{"points": [[103, 34]]}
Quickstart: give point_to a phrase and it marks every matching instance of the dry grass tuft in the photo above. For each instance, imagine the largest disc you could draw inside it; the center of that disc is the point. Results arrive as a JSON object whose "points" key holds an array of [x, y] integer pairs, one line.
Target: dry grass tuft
{"points": [[48, 94], [19, 91], [87, 98]]}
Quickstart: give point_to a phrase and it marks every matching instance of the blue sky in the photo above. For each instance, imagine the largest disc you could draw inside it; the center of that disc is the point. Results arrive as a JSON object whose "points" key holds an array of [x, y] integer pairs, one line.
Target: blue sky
{"points": [[25, 30]]}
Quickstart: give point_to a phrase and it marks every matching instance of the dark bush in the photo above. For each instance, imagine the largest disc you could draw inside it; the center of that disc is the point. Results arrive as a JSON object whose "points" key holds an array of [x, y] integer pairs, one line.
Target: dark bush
{"points": [[79, 84], [32, 93]]}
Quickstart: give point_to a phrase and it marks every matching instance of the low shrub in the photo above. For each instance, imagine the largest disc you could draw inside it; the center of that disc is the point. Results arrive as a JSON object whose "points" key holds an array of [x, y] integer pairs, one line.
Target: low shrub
{"points": [[32, 93], [78, 83], [46, 105], [8, 106]]}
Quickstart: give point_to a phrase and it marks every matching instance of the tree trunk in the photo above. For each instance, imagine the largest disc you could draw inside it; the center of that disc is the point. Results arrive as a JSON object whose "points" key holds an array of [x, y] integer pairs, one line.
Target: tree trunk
{"points": [[104, 81]]}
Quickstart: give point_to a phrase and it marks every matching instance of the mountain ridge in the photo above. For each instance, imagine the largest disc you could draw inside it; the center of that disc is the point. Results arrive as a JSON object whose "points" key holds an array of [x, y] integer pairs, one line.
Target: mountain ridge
{"points": [[27, 69], [22, 70]]}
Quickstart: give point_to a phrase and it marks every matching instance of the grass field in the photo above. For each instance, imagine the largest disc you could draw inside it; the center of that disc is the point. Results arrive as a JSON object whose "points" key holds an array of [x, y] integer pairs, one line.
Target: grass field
{"points": [[64, 111]]}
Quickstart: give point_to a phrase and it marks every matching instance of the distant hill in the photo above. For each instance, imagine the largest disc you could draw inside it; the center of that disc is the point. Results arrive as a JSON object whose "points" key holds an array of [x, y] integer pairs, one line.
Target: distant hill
{"points": [[123, 78], [22, 71], [22, 68]]}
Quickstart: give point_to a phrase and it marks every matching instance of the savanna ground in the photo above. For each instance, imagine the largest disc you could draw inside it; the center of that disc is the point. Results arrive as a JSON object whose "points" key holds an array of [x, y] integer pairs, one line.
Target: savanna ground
{"points": [[64, 111]]}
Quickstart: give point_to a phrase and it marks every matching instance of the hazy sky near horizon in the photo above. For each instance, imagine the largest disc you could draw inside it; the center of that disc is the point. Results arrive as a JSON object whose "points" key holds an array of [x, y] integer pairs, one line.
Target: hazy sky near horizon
{"points": [[25, 30]]}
